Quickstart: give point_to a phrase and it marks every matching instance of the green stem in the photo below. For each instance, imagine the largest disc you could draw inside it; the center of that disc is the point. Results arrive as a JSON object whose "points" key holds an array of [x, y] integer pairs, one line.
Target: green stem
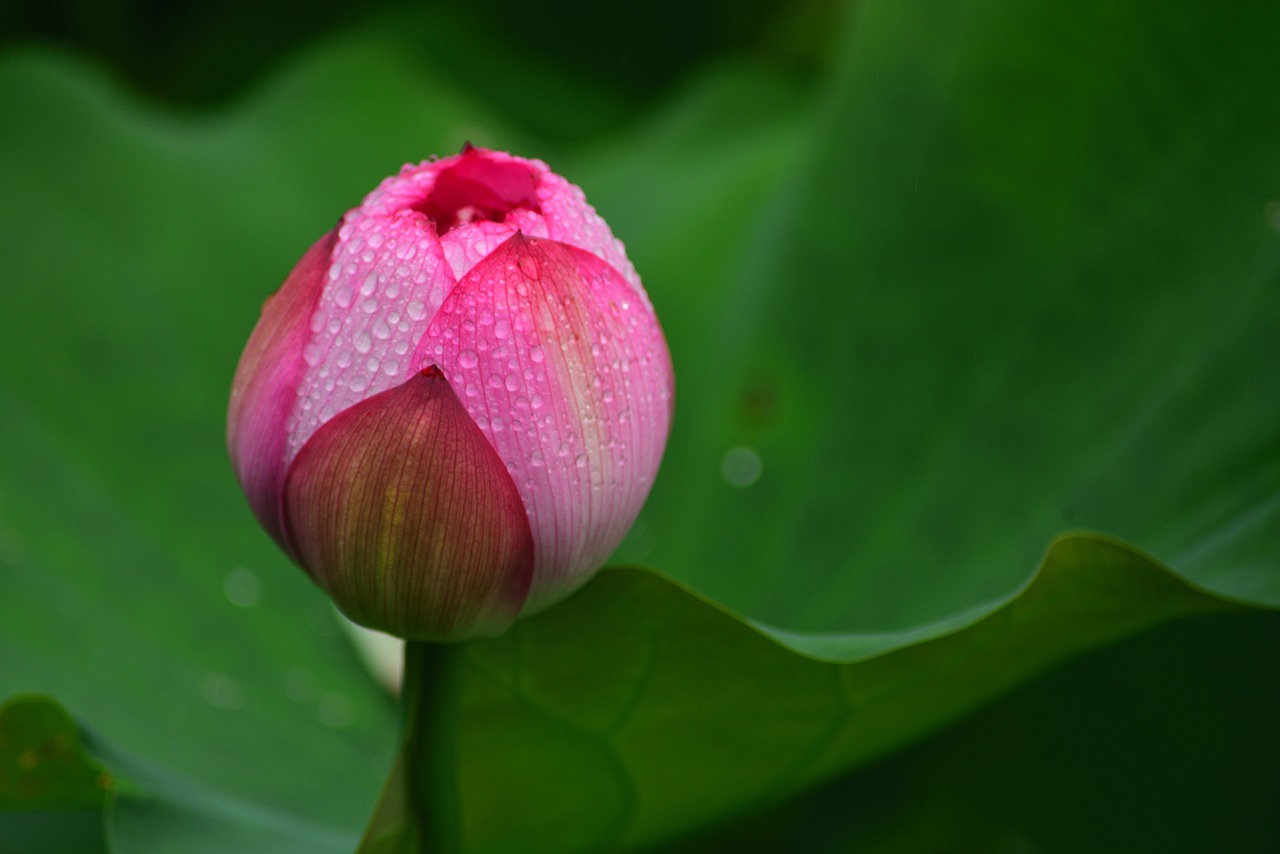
{"points": [[430, 704], [419, 809]]}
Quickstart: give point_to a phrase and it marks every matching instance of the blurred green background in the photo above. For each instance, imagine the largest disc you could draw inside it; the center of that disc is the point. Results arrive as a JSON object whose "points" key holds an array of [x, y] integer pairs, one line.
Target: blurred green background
{"points": [[941, 280]]}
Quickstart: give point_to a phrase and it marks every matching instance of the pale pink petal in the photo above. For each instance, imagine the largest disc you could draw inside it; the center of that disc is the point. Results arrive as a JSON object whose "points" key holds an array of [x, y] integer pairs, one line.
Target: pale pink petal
{"points": [[401, 510], [466, 245], [265, 388], [567, 373], [569, 219], [386, 281]]}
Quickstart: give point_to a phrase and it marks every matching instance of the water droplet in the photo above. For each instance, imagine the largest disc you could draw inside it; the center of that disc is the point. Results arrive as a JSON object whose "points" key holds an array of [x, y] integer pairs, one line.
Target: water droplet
{"points": [[391, 367], [536, 355], [222, 691], [381, 330], [344, 359], [498, 424], [529, 267], [317, 320], [741, 466], [580, 461], [371, 364], [300, 685], [370, 284], [370, 305], [241, 588], [502, 329], [342, 295], [312, 354], [468, 359], [513, 382], [363, 341], [335, 710], [416, 309]]}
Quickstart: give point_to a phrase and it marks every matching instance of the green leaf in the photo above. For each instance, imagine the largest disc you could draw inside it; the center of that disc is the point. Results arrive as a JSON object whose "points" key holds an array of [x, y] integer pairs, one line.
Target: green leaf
{"points": [[52, 792], [649, 712], [1020, 274]]}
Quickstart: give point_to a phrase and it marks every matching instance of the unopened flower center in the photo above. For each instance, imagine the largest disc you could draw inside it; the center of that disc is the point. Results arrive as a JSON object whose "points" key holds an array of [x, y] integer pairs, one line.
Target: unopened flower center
{"points": [[478, 188]]}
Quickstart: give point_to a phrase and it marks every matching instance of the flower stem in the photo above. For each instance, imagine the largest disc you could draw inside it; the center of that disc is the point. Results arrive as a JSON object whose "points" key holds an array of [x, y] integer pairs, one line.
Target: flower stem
{"points": [[430, 705], [419, 810]]}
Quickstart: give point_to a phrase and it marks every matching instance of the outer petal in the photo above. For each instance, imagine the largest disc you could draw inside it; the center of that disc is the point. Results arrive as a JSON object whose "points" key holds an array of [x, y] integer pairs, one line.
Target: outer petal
{"points": [[387, 278], [265, 388], [402, 511], [567, 373]]}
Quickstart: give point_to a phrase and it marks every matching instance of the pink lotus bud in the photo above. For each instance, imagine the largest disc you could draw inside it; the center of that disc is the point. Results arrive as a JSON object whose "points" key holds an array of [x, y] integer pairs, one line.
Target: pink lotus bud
{"points": [[453, 409]]}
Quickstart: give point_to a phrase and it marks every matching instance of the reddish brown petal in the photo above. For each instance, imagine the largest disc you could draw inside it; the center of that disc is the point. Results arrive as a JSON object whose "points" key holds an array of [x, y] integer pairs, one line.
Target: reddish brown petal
{"points": [[403, 512]]}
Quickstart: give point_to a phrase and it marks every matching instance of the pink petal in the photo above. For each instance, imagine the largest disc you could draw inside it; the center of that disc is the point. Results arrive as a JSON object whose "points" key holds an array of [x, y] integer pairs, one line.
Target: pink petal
{"points": [[570, 219], [387, 278], [402, 511], [566, 372], [266, 384]]}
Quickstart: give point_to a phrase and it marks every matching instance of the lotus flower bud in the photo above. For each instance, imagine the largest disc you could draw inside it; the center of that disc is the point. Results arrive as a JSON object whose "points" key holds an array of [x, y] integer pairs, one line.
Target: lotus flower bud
{"points": [[452, 410]]}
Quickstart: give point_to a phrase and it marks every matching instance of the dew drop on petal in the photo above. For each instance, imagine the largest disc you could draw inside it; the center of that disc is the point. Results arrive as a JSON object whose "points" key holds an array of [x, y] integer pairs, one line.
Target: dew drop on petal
{"points": [[468, 359], [363, 341]]}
